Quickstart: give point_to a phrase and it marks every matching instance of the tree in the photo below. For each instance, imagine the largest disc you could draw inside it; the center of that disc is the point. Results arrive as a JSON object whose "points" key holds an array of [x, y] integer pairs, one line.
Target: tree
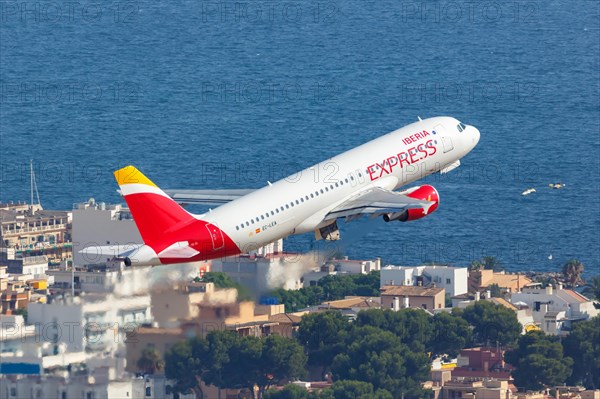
{"points": [[226, 360], [288, 392], [281, 359], [451, 333], [222, 280], [323, 336], [572, 271], [582, 344], [592, 288], [380, 358], [539, 361], [184, 364], [488, 263], [349, 389], [492, 323], [150, 362], [412, 326], [495, 291]]}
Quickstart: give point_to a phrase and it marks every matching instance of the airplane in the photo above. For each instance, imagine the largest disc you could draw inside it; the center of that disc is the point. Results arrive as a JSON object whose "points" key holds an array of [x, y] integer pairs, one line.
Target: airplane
{"points": [[358, 182]]}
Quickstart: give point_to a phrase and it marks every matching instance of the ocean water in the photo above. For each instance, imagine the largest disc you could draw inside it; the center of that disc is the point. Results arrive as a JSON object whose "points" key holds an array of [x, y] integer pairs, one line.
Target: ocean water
{"points": [[228, 94]]}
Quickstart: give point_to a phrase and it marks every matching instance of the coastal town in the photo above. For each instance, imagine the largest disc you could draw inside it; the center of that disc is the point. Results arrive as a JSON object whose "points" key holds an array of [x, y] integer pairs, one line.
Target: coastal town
{"points": [[274, 324]]}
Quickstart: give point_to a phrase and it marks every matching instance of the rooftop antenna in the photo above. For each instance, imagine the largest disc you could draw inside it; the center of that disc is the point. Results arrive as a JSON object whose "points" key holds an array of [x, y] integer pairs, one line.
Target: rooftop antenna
{"points": [[33, 184]]}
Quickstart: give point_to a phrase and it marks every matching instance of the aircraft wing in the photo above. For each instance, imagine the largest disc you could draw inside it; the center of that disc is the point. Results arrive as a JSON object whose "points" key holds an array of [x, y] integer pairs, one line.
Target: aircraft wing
{"points": [[206, 197], [376, 202]]}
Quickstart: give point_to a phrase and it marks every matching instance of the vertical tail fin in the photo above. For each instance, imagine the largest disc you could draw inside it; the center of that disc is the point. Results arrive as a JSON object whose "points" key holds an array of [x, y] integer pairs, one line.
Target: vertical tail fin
{"points": [[153, 211]]}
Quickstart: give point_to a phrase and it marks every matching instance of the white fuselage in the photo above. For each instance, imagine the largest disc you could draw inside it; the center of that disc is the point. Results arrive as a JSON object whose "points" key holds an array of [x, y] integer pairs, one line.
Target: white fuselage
{"points": [[299, 203]]}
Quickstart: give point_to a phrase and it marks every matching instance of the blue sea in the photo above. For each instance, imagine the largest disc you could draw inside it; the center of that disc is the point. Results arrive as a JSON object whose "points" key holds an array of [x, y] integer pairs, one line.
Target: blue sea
{"points": [[231, 94]]}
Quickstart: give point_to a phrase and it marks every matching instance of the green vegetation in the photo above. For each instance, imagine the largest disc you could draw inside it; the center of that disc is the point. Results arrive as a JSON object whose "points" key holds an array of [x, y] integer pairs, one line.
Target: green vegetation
{"points": [[222, 280], [539, 360], [488, 263], [226, 360], [572, 271], [492, 324], [323, 335], [150, 362], [583, 346], [329, 288], [592, 288], [382, 354]]}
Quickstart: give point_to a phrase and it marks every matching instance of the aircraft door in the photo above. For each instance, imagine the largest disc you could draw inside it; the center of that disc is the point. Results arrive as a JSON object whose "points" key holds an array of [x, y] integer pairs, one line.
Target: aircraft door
{"points": [[446, 139], [447, 142], [216, 235]]}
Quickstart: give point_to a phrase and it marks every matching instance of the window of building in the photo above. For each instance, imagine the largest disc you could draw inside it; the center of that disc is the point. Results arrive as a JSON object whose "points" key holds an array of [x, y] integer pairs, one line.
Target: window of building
{"points": [[148, 391], [448, 281], [424, 306]]}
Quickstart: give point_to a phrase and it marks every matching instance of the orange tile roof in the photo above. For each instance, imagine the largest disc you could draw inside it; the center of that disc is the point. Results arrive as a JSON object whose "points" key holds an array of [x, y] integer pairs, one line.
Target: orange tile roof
{"points": [[578, 297]]}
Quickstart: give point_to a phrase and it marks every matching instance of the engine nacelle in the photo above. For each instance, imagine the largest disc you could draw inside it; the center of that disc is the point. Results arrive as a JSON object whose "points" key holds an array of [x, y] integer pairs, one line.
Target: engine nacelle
{"points": [[143, 256], [425, 193]]}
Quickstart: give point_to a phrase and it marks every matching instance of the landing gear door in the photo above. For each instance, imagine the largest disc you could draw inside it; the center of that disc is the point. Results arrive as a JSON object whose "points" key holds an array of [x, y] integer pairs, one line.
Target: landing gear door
{"points": [[446, 139], [216, 235]]}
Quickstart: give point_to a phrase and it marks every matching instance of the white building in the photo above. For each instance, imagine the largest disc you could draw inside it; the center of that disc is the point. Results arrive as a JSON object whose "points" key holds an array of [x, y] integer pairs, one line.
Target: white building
{"points": [[555, 310], [101, 224], [98, 386], [92, 322], [453, 279]]}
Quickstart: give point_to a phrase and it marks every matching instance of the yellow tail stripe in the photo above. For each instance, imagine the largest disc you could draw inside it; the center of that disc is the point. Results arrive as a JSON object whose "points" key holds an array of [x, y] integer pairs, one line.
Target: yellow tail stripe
{"points": [[130, 175]]}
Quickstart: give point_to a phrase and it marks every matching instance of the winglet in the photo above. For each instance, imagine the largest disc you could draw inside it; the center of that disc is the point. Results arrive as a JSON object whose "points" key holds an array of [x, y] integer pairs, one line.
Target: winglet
{"points": [[130, 175]]}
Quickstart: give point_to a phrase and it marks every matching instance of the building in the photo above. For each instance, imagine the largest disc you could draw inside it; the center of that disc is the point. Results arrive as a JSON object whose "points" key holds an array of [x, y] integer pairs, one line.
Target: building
{"points": [[173, 305], [481, 279], [482, 363], [93, 322], [267, 268], [397, 297], [29, 230], [452, 279], [555, 310], [349, 306]]}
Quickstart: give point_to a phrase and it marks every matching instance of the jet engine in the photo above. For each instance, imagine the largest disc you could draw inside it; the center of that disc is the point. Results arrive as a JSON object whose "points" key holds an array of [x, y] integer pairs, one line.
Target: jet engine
{"points": [[142, 256], [425, 193]]}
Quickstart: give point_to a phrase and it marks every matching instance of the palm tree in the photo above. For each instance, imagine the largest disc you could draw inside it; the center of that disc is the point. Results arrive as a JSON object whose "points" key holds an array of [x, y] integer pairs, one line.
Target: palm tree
{"points": [[150, 361], [592, 288], [572, 271]]}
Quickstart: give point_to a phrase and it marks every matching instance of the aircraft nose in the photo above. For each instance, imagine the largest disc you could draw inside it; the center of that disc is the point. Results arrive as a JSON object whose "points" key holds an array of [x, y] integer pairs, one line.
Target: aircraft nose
{"points": [[475, 136]]}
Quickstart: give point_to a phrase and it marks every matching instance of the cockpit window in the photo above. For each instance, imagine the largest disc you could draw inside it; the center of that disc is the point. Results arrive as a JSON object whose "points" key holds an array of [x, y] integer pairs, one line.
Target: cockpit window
{"points": [[461, 126]]}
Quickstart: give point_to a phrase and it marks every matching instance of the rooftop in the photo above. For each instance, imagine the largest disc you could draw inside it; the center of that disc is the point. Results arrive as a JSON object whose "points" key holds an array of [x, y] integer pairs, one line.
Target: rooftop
{"points": [[405, 290]]}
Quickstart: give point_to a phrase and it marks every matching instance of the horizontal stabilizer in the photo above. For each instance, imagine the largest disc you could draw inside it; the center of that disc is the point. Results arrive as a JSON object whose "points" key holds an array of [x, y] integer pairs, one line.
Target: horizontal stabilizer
{"points": [[180, 249]]}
